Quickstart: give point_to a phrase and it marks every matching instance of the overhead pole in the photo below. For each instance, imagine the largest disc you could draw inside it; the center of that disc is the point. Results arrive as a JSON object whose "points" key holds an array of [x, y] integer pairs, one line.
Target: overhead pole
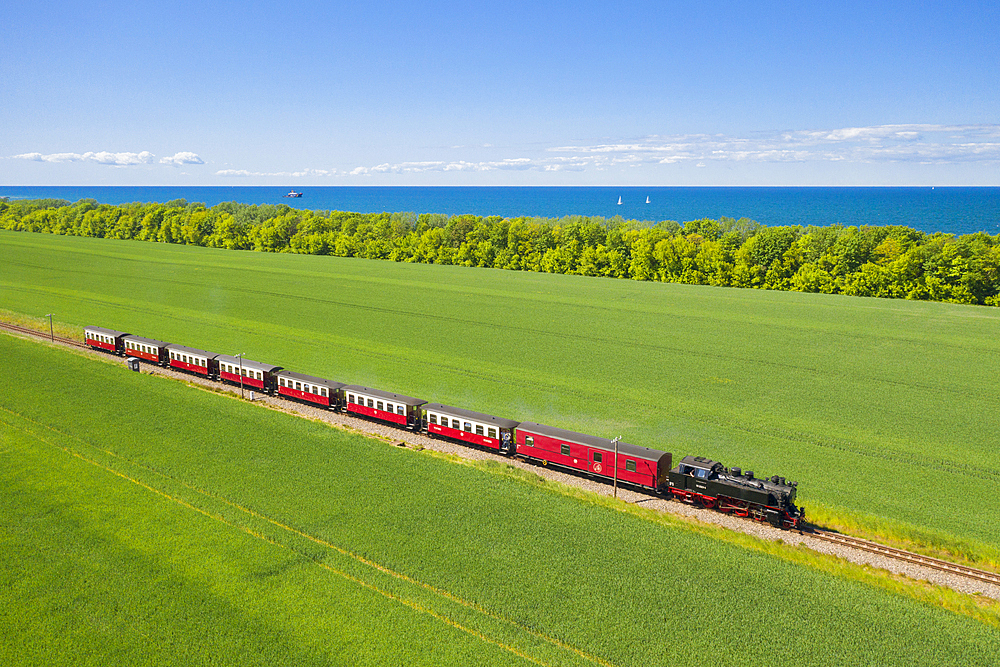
{"points": [[615, 464], [52, 336], [240, 357]]}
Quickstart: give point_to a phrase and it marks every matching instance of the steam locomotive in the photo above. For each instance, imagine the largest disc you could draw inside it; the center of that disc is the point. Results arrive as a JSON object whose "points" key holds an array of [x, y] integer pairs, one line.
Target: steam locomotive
{"points": [[708, 483]]}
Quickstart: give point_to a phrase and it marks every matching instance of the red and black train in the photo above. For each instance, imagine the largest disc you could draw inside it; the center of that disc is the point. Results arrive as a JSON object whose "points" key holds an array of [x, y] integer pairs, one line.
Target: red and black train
{"points": [[694, 480]]}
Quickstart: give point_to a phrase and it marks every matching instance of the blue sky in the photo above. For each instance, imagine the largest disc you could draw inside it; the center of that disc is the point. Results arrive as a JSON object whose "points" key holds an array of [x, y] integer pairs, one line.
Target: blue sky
{"points": [[501, 93]]}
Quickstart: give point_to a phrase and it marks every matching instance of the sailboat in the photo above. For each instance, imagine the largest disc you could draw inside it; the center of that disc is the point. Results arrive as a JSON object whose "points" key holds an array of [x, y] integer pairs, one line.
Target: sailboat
{"points": [[647, 199], [619, 201]]}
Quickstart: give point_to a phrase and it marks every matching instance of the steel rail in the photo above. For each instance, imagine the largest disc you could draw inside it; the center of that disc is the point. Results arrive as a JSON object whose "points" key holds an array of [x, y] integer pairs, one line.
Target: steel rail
{"points": [[41, 334], [906, 556]]}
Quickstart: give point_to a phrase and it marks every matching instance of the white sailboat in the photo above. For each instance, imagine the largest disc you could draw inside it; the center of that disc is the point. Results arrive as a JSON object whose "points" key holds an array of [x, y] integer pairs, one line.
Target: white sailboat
{"points": [[647, 199], [619, 201]]}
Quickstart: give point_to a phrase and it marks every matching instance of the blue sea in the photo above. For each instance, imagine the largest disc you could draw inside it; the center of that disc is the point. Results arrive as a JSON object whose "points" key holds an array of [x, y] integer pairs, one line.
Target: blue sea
{"points": [[957, 210]]}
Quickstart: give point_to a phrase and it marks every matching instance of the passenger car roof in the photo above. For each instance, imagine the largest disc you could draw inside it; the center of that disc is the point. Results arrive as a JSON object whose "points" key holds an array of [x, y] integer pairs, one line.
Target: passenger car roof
{"points": [[388, 395]]}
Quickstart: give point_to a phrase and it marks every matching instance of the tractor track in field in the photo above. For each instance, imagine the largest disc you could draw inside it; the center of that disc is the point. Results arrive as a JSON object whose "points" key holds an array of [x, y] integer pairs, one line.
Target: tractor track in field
{"points": [[915, 566]]}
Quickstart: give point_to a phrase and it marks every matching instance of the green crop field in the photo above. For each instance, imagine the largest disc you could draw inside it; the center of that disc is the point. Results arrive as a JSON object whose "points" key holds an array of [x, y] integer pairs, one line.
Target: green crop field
{"points": [[885, 411], [150, 522]]}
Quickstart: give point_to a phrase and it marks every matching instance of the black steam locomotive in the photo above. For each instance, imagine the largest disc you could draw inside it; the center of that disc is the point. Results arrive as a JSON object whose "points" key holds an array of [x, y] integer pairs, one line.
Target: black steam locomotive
{"points": [[708, 483]]}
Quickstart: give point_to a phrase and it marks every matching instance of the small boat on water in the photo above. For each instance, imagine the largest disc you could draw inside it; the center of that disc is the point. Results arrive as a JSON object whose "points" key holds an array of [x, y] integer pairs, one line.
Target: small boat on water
{"points": [[619, 201], [647, 199], [293, 193]]}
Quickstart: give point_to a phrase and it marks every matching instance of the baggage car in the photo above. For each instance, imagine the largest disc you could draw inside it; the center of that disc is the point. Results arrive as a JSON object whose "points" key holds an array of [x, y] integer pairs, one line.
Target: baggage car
{"points": [[639, 466]]}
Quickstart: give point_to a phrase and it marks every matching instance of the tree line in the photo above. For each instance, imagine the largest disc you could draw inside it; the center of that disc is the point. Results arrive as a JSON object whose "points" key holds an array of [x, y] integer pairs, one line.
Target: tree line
{"points": [[891, 262]]}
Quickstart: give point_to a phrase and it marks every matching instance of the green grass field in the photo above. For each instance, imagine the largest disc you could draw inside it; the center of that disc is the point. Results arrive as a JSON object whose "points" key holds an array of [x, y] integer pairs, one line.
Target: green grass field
{"points": [[150, 522], [885, 411]]}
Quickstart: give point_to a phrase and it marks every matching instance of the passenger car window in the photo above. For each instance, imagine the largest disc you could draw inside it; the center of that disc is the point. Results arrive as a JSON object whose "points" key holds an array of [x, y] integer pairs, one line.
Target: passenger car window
{"points": [[493, 432], [400, 410], [528, 440], [479, 430], [630, 466], [564, 450], [432, 419], [598, 457]]}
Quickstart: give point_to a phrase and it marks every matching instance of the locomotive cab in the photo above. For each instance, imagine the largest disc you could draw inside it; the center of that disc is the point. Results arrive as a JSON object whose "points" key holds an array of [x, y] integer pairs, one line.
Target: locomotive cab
{"points": [[695, 473]]}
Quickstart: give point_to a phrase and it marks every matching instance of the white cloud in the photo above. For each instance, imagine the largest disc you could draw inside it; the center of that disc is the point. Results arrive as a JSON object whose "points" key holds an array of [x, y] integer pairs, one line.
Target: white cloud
{"points": [[244, 173], [54, 157], [517, 164], [109, 158], [184, 157], [120, 159]]}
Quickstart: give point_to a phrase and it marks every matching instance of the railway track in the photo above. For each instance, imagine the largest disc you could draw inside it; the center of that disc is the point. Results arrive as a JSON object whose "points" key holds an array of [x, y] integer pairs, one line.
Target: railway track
{"points": [[819, 533], [906, 556], [41, 334]]}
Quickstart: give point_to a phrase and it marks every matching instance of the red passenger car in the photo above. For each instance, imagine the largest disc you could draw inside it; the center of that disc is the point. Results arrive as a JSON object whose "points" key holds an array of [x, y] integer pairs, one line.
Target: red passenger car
{"points": [[382, 405], [639, 466], [147, 349], [470, 427], [192, 360], [247, 373], [309, 389], [108, 340]]}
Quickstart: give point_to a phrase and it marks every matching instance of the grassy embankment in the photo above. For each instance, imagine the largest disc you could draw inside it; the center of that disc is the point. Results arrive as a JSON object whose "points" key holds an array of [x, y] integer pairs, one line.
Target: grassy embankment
{"points": [[884, 411], [137, 533]]}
